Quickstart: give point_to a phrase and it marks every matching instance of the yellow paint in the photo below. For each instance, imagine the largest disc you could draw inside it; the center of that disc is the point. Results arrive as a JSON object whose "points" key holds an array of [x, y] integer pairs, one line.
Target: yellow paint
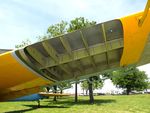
{"points": [[20, 93], [34, 83], [135, 38], [144, 15], [15, 77]]}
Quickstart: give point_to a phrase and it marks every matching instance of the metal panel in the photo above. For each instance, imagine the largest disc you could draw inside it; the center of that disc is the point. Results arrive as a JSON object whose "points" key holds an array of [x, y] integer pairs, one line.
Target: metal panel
{"points": [[113, 30], [79, 53], [74, 40], [93, 35], [57, 45]]}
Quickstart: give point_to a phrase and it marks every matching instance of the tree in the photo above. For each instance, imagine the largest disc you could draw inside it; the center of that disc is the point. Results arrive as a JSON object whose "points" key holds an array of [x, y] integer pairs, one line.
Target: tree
{"points": [[76, 24], [84, 86], [64, 85], [57, 29], [148, 87], [23, 44], [79, 23], [90, 90], [91, 84], [55, 91], [96, 82], [76, 92], [130, 79]]}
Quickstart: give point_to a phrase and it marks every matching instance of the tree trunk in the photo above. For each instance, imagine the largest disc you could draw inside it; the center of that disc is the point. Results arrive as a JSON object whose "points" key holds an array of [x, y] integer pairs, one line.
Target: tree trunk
{"points": [[61, 91], [38, 101], [76, 92], [83, 91], [91, 91], [86, 92], [128, 90], [55, 91], [47, 88]]}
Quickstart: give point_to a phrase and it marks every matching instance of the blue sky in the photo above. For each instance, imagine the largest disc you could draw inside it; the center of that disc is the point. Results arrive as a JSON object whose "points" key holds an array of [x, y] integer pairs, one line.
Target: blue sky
{"points": [[27, 19]]}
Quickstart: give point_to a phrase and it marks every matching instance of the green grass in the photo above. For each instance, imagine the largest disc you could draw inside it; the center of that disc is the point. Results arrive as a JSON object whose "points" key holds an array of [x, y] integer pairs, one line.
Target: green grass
{"points": [[103, 104]]}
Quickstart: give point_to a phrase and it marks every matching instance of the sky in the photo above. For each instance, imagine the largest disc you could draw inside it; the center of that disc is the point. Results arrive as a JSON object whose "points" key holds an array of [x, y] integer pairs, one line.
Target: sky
{"points": [[28, 19]]}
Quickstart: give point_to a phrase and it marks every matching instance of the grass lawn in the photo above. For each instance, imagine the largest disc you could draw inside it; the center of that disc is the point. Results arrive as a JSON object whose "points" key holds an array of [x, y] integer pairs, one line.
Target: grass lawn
{"points": [[103, 104]]}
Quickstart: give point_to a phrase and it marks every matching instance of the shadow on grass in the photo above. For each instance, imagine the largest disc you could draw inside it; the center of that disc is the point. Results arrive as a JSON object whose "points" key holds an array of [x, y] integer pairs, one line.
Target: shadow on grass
{"points": [[64, 104], [83, 102], [33, 107]]}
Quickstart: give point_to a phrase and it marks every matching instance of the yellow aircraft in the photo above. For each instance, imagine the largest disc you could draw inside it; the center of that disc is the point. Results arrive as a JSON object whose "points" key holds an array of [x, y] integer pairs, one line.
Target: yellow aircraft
{"points": [[93, 50]]}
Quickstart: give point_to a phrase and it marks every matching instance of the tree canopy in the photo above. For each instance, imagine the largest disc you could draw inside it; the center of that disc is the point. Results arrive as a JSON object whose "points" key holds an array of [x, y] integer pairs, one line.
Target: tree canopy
{"points": [[23, 43], [96, 83], [64, 85], [79, 23], [57, 29], [130, 79], [66, 27]]}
